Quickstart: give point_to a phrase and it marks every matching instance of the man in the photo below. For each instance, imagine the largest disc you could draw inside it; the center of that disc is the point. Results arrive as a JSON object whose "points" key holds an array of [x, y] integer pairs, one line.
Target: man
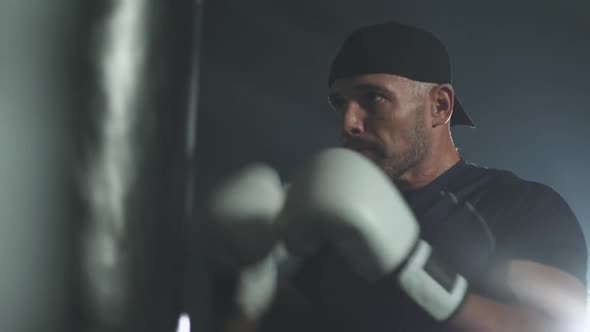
{"points": [[517, 243]]}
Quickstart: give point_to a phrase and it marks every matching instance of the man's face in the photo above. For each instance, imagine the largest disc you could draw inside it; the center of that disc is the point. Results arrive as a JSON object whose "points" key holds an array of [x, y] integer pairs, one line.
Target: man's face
{"points": [[383, 117]]}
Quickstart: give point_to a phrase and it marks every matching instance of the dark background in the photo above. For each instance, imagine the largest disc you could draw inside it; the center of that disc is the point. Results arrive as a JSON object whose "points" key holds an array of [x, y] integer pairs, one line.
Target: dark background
{"points": [[520, 67]]}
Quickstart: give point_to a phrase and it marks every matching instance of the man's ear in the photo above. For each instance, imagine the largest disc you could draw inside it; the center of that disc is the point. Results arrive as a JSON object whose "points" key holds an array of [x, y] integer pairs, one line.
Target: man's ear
{"points": [[444, 99]]}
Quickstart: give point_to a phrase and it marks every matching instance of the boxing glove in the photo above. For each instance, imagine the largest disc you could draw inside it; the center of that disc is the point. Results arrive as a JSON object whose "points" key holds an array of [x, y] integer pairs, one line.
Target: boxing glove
{"points": [[241, 241], [342, 200]]}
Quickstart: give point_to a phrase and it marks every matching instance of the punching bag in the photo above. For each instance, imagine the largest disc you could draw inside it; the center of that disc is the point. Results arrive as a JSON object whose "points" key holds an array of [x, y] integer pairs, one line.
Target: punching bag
{"points": [[97, 128], [134, 177]]}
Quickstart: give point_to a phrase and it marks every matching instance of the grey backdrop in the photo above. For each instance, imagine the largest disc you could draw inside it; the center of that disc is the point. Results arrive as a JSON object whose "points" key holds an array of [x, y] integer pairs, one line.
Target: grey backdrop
{"points": [[520, 68]]}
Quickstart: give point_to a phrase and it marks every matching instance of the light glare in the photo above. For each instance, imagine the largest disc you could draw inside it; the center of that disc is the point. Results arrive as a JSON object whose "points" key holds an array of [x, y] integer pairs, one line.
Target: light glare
{"points": [[184, 323]]}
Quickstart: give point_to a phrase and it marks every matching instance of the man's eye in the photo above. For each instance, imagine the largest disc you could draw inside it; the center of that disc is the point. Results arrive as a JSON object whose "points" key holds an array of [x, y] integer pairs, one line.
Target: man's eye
{"points": [[371, 99]]}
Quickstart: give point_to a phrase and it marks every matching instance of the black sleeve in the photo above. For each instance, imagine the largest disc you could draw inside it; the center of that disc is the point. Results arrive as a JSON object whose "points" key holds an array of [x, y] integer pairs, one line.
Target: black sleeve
{"points": [[542, 228]]}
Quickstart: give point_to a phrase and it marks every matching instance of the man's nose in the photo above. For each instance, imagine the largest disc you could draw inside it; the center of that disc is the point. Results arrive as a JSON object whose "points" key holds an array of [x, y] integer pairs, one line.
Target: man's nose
{"points": [[353, 122]]}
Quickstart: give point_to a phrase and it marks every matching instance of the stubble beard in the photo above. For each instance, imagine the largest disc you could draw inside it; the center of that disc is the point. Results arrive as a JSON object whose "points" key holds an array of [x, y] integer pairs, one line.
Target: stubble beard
{"points": [[399, 163]]}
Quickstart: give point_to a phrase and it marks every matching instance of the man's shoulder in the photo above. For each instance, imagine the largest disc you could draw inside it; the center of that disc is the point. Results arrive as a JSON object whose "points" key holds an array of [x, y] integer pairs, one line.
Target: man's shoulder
{"points": [[513, 205], [505, 185], [529, 220], [507, 200], [473, 182], [495, 175]]}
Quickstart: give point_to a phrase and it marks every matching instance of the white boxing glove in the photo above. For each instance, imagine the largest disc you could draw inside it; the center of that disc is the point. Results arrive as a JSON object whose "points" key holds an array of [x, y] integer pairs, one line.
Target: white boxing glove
{"points": [[240, 235], [240, 215], [342, 200]]}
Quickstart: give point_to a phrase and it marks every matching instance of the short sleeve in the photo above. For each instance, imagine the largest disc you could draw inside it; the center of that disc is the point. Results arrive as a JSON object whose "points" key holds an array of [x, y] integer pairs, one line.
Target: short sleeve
{"points": [[542, 228]]}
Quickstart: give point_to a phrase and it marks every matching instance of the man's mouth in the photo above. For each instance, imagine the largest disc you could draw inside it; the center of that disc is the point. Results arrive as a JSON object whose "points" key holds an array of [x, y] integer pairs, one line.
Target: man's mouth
{"points": [[367, 148]]}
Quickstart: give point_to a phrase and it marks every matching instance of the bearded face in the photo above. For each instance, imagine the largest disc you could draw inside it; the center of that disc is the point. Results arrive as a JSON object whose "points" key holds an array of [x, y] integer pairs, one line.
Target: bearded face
{"points": [[383, 118]]}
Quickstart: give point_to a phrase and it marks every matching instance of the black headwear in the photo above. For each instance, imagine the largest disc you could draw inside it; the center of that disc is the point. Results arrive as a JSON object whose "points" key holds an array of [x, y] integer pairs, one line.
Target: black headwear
{"points": [[393, 48]]}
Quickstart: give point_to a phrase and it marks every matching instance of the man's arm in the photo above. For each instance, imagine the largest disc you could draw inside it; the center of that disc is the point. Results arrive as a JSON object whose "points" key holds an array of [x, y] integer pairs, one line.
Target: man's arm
{"points": [[542, 281], [544, 299]]}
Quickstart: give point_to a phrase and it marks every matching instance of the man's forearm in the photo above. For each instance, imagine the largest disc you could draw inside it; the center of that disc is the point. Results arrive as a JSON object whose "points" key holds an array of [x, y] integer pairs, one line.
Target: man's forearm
{"points": [[481, 314]]}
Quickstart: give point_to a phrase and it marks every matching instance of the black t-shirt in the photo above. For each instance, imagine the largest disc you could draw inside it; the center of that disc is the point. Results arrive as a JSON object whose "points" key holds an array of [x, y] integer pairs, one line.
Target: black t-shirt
{"points": [[521, 220], [513, 219]]}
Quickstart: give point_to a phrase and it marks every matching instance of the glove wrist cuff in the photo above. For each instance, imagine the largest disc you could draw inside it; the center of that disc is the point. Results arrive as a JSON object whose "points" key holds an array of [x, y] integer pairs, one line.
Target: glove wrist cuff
{"points": [[430, 284]]}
